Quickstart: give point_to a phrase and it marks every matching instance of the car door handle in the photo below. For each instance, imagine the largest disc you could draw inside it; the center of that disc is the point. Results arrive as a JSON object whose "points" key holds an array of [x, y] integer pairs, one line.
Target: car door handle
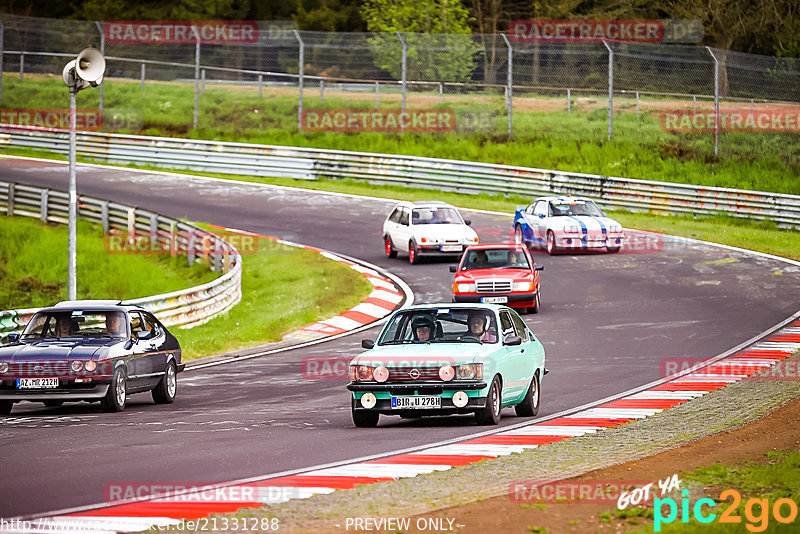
{"points": [[152, 347]]}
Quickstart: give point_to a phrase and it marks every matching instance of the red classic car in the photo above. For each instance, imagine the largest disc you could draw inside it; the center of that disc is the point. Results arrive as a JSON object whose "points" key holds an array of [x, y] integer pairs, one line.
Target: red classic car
{"points": [[502, 273]]}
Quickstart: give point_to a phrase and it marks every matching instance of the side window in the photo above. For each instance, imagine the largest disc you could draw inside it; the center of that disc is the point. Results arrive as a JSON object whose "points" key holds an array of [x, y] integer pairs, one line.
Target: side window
{"points": [[506, 326], [152, 324], [404, 217], [137, 325], [519, 327], [395, 216], [529, 209], [540, 208]]}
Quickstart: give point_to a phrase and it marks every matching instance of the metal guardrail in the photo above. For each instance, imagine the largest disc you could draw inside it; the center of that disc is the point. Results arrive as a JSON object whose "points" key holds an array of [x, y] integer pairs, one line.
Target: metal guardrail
{"points": [[132, 228], [439, 174]]}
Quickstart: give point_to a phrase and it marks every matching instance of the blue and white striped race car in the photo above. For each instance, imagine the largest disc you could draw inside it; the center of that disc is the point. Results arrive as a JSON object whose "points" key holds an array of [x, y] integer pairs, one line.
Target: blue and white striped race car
{"points": [[566, 223]]}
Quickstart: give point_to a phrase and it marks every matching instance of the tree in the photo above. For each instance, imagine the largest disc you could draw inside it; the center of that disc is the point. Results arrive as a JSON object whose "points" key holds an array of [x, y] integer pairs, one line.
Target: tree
{"points": [[439, 42], [328, 15]]}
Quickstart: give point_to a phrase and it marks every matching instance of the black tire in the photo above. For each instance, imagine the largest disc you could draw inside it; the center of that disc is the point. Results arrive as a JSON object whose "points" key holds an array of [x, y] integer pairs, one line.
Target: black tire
{"points": [[167, 387], [5, 407], [388, 248], [613, 250], [413, 253], [519, 238], [537, 303], [53, 403], [365, 418], [552, 248], [529, 407], [490, 415], [115, 398]]}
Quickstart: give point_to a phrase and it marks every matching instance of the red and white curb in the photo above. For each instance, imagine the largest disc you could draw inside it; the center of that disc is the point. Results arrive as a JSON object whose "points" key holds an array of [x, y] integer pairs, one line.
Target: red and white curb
{"points": [[199, 503]]}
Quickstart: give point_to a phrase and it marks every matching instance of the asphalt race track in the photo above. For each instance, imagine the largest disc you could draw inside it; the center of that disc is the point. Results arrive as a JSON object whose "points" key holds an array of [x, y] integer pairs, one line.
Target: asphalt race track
{"points": [[608, 322]]}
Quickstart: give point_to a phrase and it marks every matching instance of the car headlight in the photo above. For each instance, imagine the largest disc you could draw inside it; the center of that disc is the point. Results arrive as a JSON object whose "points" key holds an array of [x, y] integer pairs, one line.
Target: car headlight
{"points": [[380, 374], [615, 229], [76, 366], [428, 240], [360, 372], [3, 367], [90, 366], [521, 286], [470, 371], [446, 372], [465, 288], [571, 229]]}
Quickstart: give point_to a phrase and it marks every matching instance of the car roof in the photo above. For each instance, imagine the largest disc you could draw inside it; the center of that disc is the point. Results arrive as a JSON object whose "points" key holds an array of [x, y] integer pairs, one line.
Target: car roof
{"points": [[454, 306], [490, 246], [91, 305], [425, 203], [563, 198]]}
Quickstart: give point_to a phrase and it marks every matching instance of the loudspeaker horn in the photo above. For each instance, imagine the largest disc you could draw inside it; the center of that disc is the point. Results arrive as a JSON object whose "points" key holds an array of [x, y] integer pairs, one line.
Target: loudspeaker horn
{"points": [[90, 65]]}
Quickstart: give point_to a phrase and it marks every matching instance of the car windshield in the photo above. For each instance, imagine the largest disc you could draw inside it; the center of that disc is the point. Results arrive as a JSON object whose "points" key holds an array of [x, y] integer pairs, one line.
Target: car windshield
{"points": [[441, 325], [77, 323], [575, 207], [503, 258], [441, 215]]}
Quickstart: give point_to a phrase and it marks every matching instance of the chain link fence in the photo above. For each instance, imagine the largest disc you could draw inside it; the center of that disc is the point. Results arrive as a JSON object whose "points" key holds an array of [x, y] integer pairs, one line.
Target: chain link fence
{"points": [[488, 82]]}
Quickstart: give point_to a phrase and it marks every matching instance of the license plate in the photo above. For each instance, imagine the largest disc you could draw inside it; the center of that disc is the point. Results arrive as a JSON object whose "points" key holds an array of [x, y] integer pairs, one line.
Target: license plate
{"points": [[451, 248], [37, 383], [494, 300], [416, 403]]}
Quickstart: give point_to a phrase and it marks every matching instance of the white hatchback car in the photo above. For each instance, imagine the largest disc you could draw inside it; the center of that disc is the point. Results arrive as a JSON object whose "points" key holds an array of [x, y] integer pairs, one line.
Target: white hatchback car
{"points": [[426, 228]]}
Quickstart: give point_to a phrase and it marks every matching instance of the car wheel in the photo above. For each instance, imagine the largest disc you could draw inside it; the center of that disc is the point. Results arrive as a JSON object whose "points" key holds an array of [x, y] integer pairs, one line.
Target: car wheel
{"points": [[519, 239], [364, 418], [551, 243], [53, 403], [5, 407], [115, 398], [413, 253], [490, 415], [167, 387], [529, 407], [537, 303], [388, 249], [613, 250]]}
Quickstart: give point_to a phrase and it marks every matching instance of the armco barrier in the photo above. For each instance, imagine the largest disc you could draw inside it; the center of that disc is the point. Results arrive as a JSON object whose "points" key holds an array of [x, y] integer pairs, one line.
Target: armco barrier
{"points": [[185, 308], [440, 174]]}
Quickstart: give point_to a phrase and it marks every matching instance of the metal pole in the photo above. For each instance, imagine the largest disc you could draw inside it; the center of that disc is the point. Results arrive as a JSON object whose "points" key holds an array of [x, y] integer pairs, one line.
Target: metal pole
{"points": [[637, 104], [260, 84], [694, 106], [569, 102], [102, 51], [716, 101], [441, 90], [509, 83], [752, 109], [301, 61], [203, 81], [2, 50], [377, 94], [21, 66], [141, 84], [72, 282], [610, 90], [403, 70], [321, 91], [196, 77]]}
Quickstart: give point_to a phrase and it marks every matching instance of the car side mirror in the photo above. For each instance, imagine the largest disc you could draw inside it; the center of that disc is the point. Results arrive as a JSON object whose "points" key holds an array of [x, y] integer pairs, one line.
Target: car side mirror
{"points": [[453, 268], [130, 343], [541, 215], [512, 340], [538, 267], [367, 344], [604, 214], [12, 338], [144, 334], [468, 222]]}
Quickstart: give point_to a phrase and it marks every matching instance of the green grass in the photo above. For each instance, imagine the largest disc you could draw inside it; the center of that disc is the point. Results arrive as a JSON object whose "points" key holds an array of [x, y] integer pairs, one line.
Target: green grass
{"points": [[33, 266], [283, 289], [776, 476], [551, 140]]}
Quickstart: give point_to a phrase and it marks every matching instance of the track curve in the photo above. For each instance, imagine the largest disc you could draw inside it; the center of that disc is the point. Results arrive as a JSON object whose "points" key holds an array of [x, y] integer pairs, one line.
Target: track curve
{"points": [[607, 323]]}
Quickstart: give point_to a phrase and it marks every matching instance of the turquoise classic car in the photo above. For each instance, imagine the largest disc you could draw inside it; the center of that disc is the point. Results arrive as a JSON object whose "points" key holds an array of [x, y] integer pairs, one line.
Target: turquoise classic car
{"points": [[440, 359]]}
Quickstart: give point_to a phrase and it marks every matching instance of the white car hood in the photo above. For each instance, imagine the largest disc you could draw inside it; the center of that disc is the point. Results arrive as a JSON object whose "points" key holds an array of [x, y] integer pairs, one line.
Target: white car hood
{"points": [[592, 224], [444, 231]]}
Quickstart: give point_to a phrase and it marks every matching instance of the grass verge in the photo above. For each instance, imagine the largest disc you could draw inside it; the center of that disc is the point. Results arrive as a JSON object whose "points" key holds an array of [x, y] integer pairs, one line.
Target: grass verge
{"points": [[544, 135]]}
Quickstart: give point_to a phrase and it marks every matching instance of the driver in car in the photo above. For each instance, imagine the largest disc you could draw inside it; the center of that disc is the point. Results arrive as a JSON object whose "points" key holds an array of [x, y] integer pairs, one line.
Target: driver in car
{"points": [[422, 327], [114, 324], [478, 324]]}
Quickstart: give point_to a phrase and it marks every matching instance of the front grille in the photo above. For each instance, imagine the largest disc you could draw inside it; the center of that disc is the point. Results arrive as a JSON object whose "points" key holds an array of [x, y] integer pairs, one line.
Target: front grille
{"points": [[402, 374], [38, 369], [494, 286]]}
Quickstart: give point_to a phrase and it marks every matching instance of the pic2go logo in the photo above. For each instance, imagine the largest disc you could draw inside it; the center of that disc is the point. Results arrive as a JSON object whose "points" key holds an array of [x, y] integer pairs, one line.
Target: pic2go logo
{"points": [[756, 511]]}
